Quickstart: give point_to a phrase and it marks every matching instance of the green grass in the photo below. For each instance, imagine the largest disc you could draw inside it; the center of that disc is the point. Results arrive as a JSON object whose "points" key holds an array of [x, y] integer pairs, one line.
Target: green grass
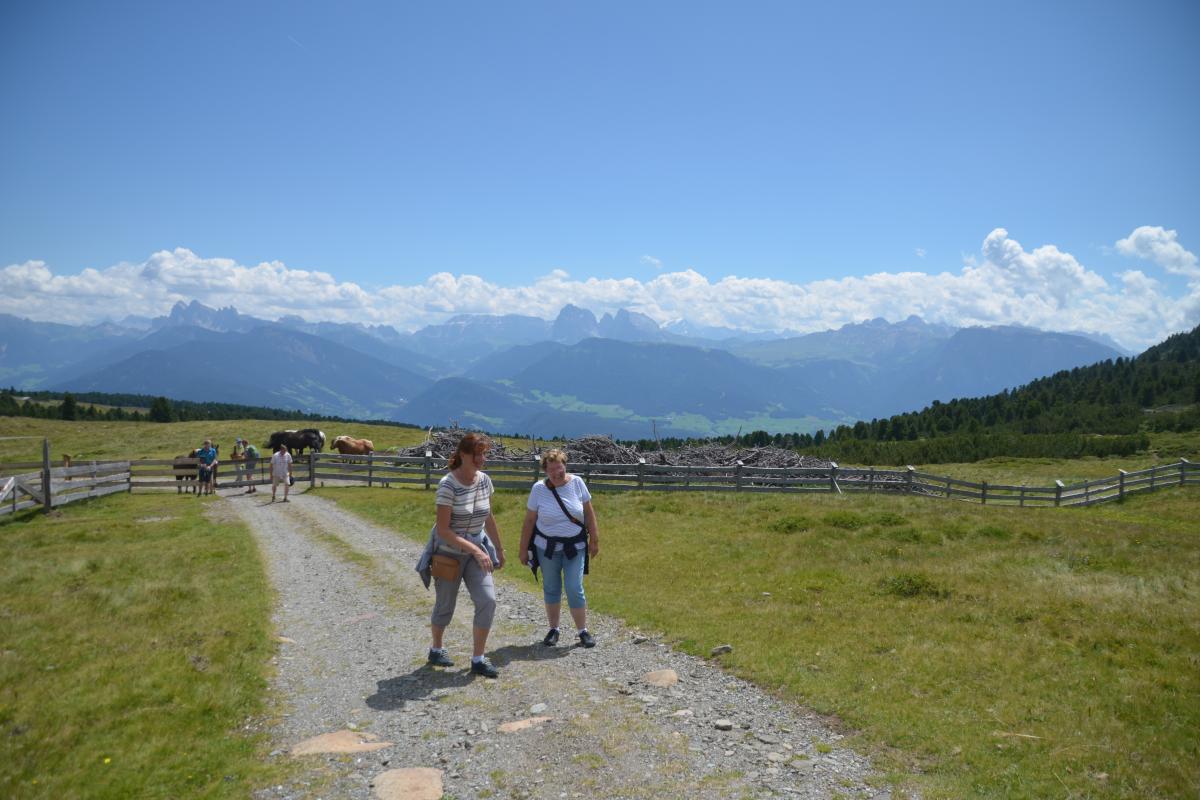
{"points": [[998, 652], [114, 440], [134, 645]]}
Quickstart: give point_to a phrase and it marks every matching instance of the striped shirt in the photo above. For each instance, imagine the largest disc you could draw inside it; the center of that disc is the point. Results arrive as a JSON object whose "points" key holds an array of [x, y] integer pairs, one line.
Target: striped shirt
{"points": [[469, 505]]}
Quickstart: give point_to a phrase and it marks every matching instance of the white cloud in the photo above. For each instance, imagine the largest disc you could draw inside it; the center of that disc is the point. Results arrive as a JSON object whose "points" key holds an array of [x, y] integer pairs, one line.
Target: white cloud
{"points": [[651, 261], [1006, 284], [920, 252], [1160, 246]]}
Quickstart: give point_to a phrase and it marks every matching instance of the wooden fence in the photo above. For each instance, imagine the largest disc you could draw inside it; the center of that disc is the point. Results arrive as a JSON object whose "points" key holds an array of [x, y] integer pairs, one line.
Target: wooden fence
{"points": [[387, 470], [50, 487]]}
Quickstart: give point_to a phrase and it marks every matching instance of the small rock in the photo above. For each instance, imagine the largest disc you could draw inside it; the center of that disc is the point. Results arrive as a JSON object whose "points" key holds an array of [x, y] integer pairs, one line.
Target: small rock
{"points": [[683, 712], [721, 649], [639, 639], [415, 783], [339, 742], [662, 678], [766, 738], [723, 725], [537, 708], [648, 699], [778, 758], [521, 724]]}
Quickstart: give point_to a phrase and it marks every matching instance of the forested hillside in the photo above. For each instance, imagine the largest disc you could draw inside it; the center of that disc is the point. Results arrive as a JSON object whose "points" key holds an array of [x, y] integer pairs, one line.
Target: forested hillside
{"points": [[1098, 410]]}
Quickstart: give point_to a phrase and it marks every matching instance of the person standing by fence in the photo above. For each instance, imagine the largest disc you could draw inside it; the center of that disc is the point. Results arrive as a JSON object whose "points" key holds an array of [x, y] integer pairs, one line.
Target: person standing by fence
{"points": [[238, 457], [281, 471], [207, 456], [466, 532], [251, 464]]}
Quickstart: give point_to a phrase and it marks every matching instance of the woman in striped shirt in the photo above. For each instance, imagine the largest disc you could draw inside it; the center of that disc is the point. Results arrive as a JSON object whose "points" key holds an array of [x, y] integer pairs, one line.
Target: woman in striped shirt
{"points": [[466, 530]]}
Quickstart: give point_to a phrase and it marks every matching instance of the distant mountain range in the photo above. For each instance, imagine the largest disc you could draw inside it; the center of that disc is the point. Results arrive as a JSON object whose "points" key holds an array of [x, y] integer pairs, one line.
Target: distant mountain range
{"points": [[620, 373]]}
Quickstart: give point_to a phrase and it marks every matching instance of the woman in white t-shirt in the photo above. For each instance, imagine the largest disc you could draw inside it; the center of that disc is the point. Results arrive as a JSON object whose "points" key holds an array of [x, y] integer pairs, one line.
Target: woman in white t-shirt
{"points": [[558, 536], [281, 471]]}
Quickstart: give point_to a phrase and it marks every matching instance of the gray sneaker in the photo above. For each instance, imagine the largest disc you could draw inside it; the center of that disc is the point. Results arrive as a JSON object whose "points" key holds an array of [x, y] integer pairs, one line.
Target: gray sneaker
{"points": [[438, 658], [586, 639], [484, 668]]}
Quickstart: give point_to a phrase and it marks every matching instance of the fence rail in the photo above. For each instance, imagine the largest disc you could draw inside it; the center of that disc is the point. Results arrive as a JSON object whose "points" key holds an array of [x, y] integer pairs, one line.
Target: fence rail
{"points": [[51, 487], [387, 470]]}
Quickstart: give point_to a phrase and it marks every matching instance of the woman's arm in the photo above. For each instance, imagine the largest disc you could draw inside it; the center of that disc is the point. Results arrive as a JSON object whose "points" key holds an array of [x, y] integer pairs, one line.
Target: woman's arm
{"points": [[589, 517], [493, 532], [526, 535]]}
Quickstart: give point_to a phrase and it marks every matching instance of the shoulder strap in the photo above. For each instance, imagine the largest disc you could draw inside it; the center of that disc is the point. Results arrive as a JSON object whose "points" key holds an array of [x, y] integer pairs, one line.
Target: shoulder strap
{"points": [[563, 505]]}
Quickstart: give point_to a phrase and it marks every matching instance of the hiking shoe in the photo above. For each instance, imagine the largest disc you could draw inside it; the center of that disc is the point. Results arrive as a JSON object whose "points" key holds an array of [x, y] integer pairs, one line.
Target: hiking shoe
{"points": [[438, 658], [551, 638], [586, 639], [484, 668]]}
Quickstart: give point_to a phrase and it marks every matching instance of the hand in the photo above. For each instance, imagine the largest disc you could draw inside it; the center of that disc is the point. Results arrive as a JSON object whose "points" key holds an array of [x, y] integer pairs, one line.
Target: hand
{"points": [[500, 559], [485, 563], [593, 546], [524, 558]]}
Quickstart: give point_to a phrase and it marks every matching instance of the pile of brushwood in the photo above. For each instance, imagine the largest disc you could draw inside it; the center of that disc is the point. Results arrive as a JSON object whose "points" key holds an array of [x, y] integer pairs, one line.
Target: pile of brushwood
{"points": [[604, 450]]}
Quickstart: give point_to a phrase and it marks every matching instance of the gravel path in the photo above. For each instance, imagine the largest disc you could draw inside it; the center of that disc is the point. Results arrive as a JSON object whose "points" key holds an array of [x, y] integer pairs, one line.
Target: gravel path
{"points": [[353, 619]]}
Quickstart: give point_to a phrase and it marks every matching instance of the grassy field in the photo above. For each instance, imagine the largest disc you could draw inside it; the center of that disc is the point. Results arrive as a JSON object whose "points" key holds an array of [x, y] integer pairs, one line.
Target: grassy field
{"points": [[108, 440], [103, 440], [1006, 653], [134, 643]]}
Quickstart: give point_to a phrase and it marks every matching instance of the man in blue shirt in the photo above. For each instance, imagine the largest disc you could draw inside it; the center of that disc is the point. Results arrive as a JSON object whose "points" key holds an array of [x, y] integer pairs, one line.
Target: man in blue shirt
{"points": [[208, 466]]}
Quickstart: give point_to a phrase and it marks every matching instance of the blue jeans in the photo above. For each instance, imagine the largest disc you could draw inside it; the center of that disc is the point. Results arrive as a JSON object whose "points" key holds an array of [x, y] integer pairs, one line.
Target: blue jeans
{"points": [[559, 570]]}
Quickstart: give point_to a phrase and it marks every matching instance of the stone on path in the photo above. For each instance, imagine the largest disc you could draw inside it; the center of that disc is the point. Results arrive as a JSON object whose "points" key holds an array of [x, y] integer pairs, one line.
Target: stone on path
{"points": [[662, 678], [723, 725], [340, 742], [521, 724], [285, 640], [721, 649], [414, 783]]}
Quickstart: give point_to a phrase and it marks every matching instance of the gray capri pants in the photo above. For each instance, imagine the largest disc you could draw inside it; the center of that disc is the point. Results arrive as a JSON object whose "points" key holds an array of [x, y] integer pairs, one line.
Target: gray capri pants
{"points": [[479, 586]]}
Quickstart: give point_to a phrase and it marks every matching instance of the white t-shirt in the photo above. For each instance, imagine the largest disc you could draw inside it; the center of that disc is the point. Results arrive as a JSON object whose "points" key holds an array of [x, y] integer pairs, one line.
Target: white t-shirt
{"points": [[280, 462], [550, 519]]}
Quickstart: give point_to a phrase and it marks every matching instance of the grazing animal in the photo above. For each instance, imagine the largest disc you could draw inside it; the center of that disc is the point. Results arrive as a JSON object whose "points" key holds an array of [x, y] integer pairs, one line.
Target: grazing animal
{"points": [[185, 470], [349, 446], [298, 441]]}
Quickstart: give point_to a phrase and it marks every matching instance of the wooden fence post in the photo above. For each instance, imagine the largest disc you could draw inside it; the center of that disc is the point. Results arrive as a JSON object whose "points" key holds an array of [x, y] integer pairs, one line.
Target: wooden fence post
{"points": [[871, 480], [1153, 470], [428, 467], [46, 498], [1120, 484], [911, 470], [737, 476], [983, 493], [312, 469], [642, 472], [370, 469], [1184, 464], [1058, 487], [833, 487]]}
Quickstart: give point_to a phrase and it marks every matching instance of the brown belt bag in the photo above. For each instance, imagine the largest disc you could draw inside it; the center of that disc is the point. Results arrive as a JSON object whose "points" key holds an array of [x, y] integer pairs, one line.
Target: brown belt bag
{"points": [[446, 568]]}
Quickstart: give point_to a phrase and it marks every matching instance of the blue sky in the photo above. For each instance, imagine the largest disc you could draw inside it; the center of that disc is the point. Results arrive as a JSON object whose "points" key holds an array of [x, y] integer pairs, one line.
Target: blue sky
{"points": [[381, 144]]}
